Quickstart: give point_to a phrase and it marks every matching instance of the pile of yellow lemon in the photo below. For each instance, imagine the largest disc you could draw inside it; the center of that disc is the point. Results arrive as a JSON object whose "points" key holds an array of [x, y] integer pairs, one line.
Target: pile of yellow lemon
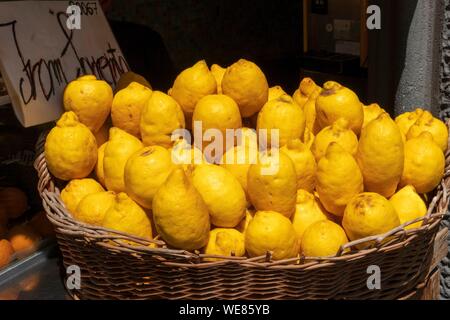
{"points": [[345, 171]]}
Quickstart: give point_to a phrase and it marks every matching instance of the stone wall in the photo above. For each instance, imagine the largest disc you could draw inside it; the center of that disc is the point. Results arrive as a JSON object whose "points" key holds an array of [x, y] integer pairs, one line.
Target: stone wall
{"points": [[445, 64]]}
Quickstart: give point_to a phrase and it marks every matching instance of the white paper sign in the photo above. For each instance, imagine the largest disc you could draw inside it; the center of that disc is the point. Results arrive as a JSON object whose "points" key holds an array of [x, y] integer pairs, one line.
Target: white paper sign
{"points": [[39, 54]]}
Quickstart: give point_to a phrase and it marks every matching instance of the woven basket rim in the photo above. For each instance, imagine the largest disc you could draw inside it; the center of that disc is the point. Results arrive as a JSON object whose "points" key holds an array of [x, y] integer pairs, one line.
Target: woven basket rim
{"points": [[117, 241]]}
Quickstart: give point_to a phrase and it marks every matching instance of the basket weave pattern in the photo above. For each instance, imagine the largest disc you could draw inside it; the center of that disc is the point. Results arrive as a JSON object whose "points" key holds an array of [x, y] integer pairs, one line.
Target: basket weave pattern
{"points": [[111, 268]]}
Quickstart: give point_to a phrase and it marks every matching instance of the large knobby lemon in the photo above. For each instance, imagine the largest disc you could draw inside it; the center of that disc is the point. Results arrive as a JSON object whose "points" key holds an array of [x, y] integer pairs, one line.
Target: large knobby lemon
{"points": [[271, 231], [307, 89], [99, 172], [117, 151], [337, 101], [304, 163], [282, 116], [70, 149], [90, 99], [192, 84], [218, 73], [428, 123], [161, 116], [308, 210], [369, 214], [308, 138], [218, 112], [338, 179], [381, 155], [222, 193], [371, 112], [76, 190], [93, 207], [424, 163], [272, 183], [238, 159], [275, 92], [323, 239], [409, 206], [184, 154], [246, 84], [181, 216], [338, 132], [407, 119], [242, 226], [127, 106], [128, 77], [127, 216], [145, 171], [225, 242]]}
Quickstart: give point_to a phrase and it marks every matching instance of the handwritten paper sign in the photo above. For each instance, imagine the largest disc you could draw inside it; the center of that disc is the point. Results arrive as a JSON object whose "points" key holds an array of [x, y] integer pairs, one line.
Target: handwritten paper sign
{"points": [[40, 55]]}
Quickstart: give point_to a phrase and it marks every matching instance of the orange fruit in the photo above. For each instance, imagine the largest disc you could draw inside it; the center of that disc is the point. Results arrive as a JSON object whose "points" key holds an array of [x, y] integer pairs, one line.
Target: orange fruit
{"points": [[23, 238], [6, 252]]}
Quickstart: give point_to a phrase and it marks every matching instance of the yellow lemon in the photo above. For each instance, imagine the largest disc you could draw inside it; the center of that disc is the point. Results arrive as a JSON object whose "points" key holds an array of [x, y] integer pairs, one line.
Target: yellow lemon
{"points": [[90, 99], [125, 215], [337, 101], [242, 226], [238, 160], [371, 112], [70, 149], [310, 116], [184, 154], [308, 138], [407, 119], [409, 206], [99, 172], [117, 151], [275, 92], [218, 73], [427, 123], [271, 231], [160, 117], [145, 171], [76, 190], [93, 207], [309, 88], [128, 77], [369, 214], [102, 135], [304, 163], [222, 194], [381, 155], [300, 98], [216, 112], [338, 179], [246, 84], [307, 211], [247, 138], [180, 214], [338, 132], [272, 183], [323, 238], [127, 106], [284, 115], [225, 242], [192, 84], [424, 163]]}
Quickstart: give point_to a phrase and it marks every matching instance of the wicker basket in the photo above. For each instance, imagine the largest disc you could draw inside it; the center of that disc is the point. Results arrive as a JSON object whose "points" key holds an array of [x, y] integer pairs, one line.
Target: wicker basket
{"points": [[445, 264], [113, 269]]}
